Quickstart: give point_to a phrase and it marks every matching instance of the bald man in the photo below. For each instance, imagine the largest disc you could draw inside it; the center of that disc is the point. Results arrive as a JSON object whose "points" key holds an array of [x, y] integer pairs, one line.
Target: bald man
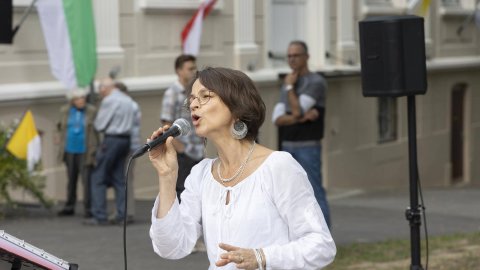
{"points": [[114, 119]]}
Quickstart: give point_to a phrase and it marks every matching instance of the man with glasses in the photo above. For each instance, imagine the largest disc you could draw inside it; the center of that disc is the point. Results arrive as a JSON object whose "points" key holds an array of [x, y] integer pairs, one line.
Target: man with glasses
{"points": [[300, 117], [189, 148]]}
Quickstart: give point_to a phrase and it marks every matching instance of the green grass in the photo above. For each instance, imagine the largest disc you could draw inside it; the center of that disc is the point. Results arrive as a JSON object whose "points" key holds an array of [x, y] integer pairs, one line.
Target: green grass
{"points": [[459, 251]]}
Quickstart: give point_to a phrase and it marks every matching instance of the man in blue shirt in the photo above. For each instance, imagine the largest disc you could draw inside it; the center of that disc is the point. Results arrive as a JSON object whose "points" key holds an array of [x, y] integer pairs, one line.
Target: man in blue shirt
{"points": [[114, 119], [77, 141]]}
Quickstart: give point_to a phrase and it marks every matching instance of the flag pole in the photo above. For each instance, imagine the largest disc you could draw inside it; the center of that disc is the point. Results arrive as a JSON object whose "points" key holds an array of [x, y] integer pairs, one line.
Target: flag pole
{"points": [[24, 17], [91, 98], [15, 128], [468, 19]]}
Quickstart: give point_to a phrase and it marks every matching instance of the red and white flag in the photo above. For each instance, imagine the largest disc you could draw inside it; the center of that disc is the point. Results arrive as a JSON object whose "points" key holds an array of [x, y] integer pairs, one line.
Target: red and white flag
{"points": [[192, 32]]}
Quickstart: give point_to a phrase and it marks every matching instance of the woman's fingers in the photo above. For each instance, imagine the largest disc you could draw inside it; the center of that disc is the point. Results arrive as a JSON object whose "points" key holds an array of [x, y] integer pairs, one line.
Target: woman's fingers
{"points": [[222, 262], [243, 258], [159, 132], [227, 247], [153, 153]]}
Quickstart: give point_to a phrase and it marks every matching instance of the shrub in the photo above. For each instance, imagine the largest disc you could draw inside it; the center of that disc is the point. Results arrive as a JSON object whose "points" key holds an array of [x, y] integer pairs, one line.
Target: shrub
{"points": [[14, 174]]}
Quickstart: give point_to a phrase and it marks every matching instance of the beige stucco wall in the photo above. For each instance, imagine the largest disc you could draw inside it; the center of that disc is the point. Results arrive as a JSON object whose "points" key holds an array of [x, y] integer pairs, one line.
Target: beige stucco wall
{"points": [[45, 112], [352, 157]]}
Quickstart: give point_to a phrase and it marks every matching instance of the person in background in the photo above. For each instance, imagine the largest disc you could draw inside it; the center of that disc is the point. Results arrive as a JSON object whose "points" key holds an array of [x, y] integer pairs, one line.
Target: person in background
{"points": [[254, 206], [78, 142], [135, 143], [300, 118], [114, 120], [190, 149]]}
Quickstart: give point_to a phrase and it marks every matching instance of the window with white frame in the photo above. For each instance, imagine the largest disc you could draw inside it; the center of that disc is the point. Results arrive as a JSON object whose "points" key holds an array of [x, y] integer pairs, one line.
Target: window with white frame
{"points": [[387, 119], [287, 23]]}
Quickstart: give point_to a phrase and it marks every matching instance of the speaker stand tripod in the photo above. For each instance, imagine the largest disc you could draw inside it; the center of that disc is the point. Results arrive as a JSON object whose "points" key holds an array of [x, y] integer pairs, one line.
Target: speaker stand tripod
{"points": [[413, 213]]}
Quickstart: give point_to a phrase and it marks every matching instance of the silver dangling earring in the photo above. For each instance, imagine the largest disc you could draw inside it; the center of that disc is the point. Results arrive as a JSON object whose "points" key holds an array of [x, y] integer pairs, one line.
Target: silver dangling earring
{"points": [[239, 130]]}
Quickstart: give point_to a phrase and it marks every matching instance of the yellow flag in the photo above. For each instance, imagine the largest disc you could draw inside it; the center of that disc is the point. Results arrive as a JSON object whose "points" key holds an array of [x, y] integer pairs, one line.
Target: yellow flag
{"points": [[418, 7], [25, 141], [425, 7]]}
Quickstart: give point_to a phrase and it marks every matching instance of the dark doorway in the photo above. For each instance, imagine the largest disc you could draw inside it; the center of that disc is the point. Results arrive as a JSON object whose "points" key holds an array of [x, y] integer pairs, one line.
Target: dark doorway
{"points": [[457, 132]]}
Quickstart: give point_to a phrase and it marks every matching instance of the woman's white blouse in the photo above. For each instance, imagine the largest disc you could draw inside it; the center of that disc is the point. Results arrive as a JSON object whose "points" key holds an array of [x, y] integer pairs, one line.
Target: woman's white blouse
{"points": [[274, 208]]}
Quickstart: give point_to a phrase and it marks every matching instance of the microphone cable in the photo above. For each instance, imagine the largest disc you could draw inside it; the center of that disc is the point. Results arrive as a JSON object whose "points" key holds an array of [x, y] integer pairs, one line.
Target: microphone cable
{"points": [[422, 206], [125, 213]]}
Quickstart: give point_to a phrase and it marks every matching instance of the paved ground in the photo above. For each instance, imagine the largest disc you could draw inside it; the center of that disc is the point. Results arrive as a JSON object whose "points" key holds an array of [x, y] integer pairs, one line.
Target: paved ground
{"points": [[357, 217]]}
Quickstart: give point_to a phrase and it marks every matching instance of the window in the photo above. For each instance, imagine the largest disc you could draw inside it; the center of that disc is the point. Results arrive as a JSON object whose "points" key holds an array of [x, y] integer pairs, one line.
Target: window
{"points": [[287, 23], [387, 119]]}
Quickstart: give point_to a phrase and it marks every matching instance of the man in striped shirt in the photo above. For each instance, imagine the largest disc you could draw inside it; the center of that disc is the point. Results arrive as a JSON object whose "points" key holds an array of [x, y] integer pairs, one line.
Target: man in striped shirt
{"points": [[190, 148]]}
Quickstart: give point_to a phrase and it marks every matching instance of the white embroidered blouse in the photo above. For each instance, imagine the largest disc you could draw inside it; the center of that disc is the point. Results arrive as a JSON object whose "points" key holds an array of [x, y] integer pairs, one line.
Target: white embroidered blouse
{"points": [[273, 208]]}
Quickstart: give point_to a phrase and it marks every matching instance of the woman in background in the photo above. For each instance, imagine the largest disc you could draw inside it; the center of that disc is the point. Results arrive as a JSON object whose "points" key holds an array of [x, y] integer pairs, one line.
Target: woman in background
{"points": [[78, 141]]}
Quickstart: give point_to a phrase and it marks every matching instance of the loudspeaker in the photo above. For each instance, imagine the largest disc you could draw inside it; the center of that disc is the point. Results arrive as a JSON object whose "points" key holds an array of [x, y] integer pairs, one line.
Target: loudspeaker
{"points": [[392, 53], [6, 21]]}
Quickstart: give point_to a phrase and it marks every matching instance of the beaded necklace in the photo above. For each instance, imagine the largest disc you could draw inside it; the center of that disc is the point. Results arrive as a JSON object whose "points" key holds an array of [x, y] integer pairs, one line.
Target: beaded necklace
{"points": [[239, 170]]}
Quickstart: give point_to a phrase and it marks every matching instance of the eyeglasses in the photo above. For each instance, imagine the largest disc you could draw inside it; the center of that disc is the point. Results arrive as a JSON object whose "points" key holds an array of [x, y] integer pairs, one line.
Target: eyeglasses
{"points": [[296, 55], [203, 97]]}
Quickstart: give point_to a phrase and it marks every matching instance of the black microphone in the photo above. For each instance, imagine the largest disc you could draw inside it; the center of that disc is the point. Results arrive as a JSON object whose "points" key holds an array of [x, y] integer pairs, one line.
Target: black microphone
{"points": [[180, 127]]}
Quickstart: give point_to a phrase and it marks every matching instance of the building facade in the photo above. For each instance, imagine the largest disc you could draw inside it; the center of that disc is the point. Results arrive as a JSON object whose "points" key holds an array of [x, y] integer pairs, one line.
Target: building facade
{"points": [[365, 144]]}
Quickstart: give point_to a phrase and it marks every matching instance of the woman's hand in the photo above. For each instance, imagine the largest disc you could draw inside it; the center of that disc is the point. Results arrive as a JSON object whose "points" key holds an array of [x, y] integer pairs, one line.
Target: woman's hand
{"points": [[242, 257], [164, 156], [164, 159]]}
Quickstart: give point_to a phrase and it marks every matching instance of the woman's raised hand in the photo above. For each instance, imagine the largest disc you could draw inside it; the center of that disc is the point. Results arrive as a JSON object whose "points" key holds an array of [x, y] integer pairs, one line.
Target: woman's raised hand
{"points": [[164, 156]]}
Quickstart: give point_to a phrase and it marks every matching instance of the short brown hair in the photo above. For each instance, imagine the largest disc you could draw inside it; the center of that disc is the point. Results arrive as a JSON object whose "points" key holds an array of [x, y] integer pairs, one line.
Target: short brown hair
{"points": [[182, 59], [301, 44], [238, 92]]}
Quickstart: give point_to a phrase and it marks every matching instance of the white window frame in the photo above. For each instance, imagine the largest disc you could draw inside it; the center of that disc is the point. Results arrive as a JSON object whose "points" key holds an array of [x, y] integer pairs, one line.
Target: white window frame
{"points": [[22, 3], [460, 8], [173, 4], [387, 114]]}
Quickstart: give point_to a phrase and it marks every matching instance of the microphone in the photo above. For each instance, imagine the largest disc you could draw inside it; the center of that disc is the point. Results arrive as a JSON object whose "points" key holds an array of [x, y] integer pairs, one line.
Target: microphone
{"points": [[180, 127]]}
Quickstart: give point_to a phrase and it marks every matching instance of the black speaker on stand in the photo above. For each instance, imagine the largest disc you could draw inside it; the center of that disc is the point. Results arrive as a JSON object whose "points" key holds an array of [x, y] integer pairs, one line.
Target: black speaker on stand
{"points": [[6, 33], [6, 10], [392, 50]]}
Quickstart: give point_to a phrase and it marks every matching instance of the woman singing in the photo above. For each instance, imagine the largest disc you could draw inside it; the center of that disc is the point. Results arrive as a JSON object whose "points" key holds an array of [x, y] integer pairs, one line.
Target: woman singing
{"points": [[254, 206]]}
